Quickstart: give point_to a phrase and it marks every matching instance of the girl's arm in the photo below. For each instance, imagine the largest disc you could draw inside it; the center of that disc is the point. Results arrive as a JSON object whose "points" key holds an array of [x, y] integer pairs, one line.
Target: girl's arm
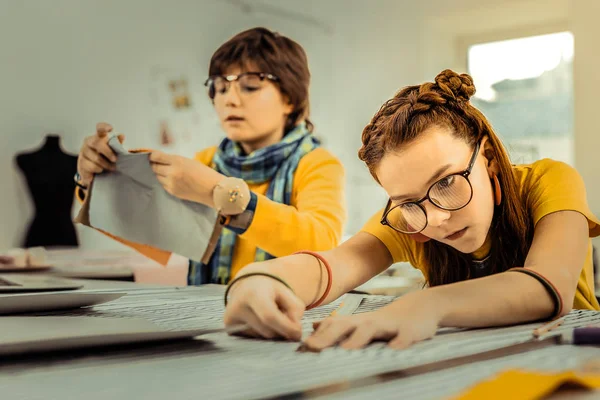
{"points": [[352, 263], [558, 252], [272, 310]]}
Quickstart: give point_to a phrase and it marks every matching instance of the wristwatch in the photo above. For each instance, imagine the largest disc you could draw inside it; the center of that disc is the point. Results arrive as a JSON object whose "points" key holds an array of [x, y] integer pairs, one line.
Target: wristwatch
{"points": [[231, 196], [77, 178]]}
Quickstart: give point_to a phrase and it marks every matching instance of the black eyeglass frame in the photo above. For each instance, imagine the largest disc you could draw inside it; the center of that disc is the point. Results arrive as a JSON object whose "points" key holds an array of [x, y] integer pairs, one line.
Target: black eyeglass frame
{"points": [[465, 174]]}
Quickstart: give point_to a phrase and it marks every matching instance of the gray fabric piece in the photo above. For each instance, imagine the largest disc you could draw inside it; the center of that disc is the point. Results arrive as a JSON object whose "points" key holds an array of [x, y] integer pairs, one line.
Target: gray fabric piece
{"points": [[131, 204]]}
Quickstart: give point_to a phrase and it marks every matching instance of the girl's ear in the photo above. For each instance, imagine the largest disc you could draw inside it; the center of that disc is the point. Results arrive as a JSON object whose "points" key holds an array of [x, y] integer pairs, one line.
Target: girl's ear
{"points": [[490, 155]]}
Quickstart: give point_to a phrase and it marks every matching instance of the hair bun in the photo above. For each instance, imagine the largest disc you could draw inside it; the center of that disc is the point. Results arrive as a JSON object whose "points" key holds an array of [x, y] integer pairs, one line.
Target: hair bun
{"points": [[458, 87]]}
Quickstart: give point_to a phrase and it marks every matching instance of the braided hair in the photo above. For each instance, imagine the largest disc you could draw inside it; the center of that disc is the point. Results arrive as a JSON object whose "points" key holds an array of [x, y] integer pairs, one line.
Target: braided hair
{"points": [[445, 103]]}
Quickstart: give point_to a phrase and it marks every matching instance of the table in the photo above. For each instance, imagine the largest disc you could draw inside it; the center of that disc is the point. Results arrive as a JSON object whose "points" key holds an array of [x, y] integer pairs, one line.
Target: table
{"points": [[119, 264], [218, 366]]}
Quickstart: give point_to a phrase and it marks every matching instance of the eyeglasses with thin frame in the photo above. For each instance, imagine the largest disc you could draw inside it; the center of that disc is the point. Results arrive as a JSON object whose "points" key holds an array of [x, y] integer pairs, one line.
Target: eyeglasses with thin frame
{"points": [[248, 81], [450, 193]]}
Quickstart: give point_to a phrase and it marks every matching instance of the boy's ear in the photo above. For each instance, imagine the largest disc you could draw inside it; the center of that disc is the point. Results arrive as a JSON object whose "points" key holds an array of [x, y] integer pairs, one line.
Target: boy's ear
{"points": [[288, 107]]}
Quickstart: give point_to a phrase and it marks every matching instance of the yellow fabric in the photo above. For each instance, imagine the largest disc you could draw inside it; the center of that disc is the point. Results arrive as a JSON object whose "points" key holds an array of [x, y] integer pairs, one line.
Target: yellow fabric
{"points": [[314, 220], [550, 186], [526, 385]]}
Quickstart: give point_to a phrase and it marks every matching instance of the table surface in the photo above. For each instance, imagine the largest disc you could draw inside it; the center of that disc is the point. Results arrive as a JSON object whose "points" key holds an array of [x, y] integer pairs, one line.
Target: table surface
{"points": [[218, 366], [116, 264]]}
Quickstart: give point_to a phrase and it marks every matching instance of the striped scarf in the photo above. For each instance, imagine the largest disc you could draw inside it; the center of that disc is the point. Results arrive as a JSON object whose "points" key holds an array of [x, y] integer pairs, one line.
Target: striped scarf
{"points": [[276, 163]]}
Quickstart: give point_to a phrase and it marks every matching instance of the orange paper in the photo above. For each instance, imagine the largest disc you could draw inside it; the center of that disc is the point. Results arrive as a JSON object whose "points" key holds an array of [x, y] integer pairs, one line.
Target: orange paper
{"points": [[160, 256], [526, 385]]}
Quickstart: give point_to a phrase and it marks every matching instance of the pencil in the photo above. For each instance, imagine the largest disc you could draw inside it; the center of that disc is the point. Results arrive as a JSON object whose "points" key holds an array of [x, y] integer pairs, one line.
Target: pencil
{"points": [[548, 327], [334, 312]]}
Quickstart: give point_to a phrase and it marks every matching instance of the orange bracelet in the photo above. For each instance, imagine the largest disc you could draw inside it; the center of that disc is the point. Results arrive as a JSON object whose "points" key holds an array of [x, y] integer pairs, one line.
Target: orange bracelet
{"points": [[329, 276]]}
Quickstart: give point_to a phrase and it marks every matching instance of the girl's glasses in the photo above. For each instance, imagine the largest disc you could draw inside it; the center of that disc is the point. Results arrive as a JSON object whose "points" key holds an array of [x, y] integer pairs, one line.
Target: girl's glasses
{"points": [[450, 193]]}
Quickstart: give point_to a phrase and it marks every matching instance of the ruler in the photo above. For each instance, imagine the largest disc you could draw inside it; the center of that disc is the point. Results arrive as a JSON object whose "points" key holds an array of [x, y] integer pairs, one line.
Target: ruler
{"points": [[356, 383], [349, 304]]}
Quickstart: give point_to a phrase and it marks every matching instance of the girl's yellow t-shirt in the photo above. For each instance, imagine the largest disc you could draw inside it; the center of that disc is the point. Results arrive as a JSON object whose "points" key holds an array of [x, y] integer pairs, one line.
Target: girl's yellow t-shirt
{"points": [[551, 186]]}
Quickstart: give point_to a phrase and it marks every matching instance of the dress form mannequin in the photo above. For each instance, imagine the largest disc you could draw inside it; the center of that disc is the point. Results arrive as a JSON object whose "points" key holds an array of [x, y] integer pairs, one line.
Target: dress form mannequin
{"points": [[49, 173]]}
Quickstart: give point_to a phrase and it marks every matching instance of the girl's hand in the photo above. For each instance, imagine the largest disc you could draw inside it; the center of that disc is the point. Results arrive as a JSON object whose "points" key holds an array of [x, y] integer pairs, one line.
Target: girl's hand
{"points": [[406, 321], [185, 178], [270, 309]]}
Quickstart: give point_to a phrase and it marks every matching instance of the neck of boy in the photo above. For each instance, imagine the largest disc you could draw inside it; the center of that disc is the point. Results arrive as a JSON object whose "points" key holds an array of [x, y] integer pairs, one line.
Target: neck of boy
{"points": [[262, 142]]}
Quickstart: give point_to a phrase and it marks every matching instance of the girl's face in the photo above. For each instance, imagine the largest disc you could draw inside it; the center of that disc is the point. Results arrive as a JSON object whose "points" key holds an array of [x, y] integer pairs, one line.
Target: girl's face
{"points": [[251, 111], [407, 175]]}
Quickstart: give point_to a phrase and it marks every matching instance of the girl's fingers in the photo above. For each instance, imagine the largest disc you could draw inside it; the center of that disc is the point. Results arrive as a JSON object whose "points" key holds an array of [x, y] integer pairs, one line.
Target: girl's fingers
{"points": [[331, 334], [362, 336]]}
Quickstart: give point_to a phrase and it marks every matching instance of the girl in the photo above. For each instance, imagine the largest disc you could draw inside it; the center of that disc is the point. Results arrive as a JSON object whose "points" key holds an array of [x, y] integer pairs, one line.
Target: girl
{"points": [[287, 193], [497, 243]]}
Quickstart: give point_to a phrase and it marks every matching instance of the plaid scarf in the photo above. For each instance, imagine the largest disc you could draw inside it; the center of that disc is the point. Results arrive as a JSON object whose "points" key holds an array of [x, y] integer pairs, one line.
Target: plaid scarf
{"points": [[276, 163]]}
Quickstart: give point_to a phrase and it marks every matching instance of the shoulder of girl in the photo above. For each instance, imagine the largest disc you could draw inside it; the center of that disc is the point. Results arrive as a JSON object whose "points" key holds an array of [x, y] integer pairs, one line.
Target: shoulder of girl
{"points": [[547, 168]]}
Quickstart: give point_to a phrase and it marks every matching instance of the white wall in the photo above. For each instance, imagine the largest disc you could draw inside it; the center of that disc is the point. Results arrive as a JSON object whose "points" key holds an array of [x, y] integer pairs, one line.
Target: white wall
{"points": [[67, 64]]}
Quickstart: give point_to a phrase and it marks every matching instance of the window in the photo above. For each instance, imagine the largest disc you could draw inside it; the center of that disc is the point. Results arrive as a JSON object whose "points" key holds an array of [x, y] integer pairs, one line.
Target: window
{"points": [[525, 88]]}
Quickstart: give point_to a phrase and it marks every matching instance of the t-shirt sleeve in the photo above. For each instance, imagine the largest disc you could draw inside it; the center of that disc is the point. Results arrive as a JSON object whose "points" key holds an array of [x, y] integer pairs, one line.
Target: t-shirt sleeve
{"points": [[400, 246], [555, 186]]}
